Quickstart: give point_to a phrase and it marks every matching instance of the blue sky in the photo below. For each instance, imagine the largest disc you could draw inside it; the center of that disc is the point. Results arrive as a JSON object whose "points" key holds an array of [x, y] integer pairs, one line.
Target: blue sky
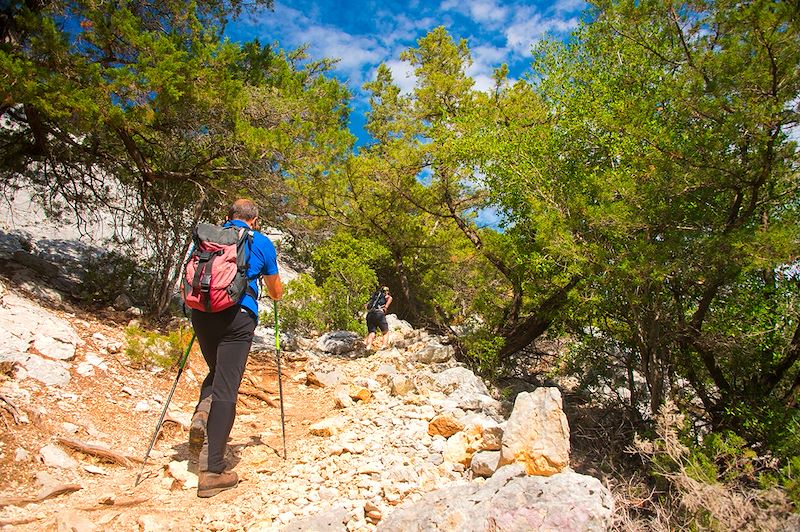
{"points": [[362, 34]]}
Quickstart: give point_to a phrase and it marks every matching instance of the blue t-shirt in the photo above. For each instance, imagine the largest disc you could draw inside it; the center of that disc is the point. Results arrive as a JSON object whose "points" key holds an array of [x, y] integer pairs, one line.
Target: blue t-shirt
{"points": [[263, 260]]}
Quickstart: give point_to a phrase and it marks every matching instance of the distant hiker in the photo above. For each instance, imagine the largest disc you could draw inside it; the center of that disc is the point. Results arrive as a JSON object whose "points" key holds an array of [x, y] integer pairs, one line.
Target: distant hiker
{"points": [[225, 337], [376, 307]]}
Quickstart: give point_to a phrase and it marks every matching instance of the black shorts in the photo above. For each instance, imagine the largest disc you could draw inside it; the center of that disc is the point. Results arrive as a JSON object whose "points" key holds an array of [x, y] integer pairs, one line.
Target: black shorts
{"points": [[375, 319]]}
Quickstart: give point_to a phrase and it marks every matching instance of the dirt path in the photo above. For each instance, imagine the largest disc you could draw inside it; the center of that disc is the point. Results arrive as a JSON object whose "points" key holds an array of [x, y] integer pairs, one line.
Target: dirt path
{"points": [[108, 408]]}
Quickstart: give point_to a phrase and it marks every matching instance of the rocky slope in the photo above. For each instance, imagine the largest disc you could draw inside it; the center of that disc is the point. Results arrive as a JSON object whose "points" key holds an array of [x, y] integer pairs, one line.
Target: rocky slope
{"points": [[400, 439], [395, 440]]}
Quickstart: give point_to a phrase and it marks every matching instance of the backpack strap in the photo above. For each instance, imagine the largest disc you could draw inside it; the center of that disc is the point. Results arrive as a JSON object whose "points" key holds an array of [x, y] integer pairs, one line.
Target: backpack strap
{"points": [[246, 237], [202, 276]]}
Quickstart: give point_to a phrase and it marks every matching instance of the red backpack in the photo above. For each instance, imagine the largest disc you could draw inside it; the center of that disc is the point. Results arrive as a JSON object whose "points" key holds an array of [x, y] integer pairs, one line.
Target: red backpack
{"points": [[215, 276]]}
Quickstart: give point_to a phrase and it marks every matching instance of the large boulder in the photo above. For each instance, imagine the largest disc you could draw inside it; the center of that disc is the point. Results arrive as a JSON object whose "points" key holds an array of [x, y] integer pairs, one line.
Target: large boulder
{"points": [[435, 353], [396, 324], [458, 379], [339, 342], [264, 339], [323, 374], [484, 463], [466, 389], [24, 323], [537, 433], [49, 372], [511, 501]]}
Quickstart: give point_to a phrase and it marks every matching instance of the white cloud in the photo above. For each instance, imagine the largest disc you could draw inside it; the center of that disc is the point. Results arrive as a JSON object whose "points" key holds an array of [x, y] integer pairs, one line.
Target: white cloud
{"points": [[485, 59], [402, 75], [488, 55], [529, 27], [483, 12], [357, 54], [398, 29], [483, 82], [569, 6]]}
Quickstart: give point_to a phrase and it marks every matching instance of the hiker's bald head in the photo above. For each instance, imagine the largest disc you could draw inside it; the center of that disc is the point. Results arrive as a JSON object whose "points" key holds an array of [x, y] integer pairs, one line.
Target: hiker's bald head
{"points": [[243, 209]]}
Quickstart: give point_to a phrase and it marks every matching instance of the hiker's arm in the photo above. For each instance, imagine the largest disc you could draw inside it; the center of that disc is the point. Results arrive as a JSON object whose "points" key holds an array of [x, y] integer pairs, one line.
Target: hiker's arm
{"points": [[388, 302], [274, 286]]}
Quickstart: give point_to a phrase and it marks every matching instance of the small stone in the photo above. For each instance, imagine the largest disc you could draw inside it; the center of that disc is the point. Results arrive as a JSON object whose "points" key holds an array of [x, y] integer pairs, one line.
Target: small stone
{"points": [[341, 398], [327, 493], [360, 393], [85, 369], [180, 472], [369, 469], [327, 427], [54, 456], [95, 470], [114, 347], [71, 520], [401, 385], [484, 463], [444, 425]]}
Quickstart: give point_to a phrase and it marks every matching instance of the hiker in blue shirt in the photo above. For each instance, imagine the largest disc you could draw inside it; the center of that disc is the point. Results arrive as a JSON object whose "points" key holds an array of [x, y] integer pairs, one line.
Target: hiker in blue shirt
{"points": [[376, 307], [225, 338]]}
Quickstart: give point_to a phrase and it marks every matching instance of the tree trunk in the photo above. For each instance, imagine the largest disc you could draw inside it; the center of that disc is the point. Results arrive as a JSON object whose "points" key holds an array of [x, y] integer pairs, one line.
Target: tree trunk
{"points": [[529, 329]]}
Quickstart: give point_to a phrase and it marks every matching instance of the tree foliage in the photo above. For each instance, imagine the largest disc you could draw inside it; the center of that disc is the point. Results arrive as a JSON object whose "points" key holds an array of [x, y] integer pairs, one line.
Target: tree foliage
{"points": [[679, 181], [646, 179], [144, 107], [645, 175]]}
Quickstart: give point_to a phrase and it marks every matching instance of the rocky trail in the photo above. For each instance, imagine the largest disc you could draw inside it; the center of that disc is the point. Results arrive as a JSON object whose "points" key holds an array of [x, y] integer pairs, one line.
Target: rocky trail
{"points": [[401, 439], [368, 434]]}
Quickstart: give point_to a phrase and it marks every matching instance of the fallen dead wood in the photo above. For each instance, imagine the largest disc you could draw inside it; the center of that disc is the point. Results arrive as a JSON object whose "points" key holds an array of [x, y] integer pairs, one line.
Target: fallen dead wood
{"points": [[49, 493], [258, 394], [9, 407], [123, 502], [269, 369], [247, 403], [258, 384], [99, 451], [14, 522]]}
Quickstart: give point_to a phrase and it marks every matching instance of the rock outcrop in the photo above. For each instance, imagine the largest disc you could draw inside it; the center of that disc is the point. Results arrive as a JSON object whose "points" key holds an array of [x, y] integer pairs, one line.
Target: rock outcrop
{"points": [[392, 439], [511, 501], [537, 433]]}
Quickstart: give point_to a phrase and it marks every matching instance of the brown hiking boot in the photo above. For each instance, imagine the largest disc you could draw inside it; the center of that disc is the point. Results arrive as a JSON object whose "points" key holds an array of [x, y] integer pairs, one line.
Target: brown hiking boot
{"points": [[197, 433], [209, 484]]}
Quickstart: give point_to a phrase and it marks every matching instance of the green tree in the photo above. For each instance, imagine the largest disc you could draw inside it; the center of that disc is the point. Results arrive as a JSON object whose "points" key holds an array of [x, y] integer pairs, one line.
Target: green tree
{"points": [[143, 106], [445, 130], [668, 169]]}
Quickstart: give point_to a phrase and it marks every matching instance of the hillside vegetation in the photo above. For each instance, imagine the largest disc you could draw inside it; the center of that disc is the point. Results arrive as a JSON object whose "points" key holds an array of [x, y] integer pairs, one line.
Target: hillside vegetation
{"points": [[645, 175]]}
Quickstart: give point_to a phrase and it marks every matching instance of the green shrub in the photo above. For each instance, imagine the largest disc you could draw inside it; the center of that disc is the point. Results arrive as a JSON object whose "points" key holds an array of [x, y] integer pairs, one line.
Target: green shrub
{"points": [[302, 308], [790, 480], [334, 298], [716, 484], [148, 348], [111, 273], [484, 348]]}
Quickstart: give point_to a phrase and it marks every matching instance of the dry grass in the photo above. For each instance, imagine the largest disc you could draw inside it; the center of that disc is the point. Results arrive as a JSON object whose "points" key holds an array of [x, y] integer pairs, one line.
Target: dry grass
{"points": [[652, 483]]}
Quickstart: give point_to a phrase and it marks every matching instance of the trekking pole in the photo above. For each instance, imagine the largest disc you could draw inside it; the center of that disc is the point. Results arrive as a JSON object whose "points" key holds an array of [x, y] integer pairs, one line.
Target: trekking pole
{"points": [[280, 382], [164, 411]]}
